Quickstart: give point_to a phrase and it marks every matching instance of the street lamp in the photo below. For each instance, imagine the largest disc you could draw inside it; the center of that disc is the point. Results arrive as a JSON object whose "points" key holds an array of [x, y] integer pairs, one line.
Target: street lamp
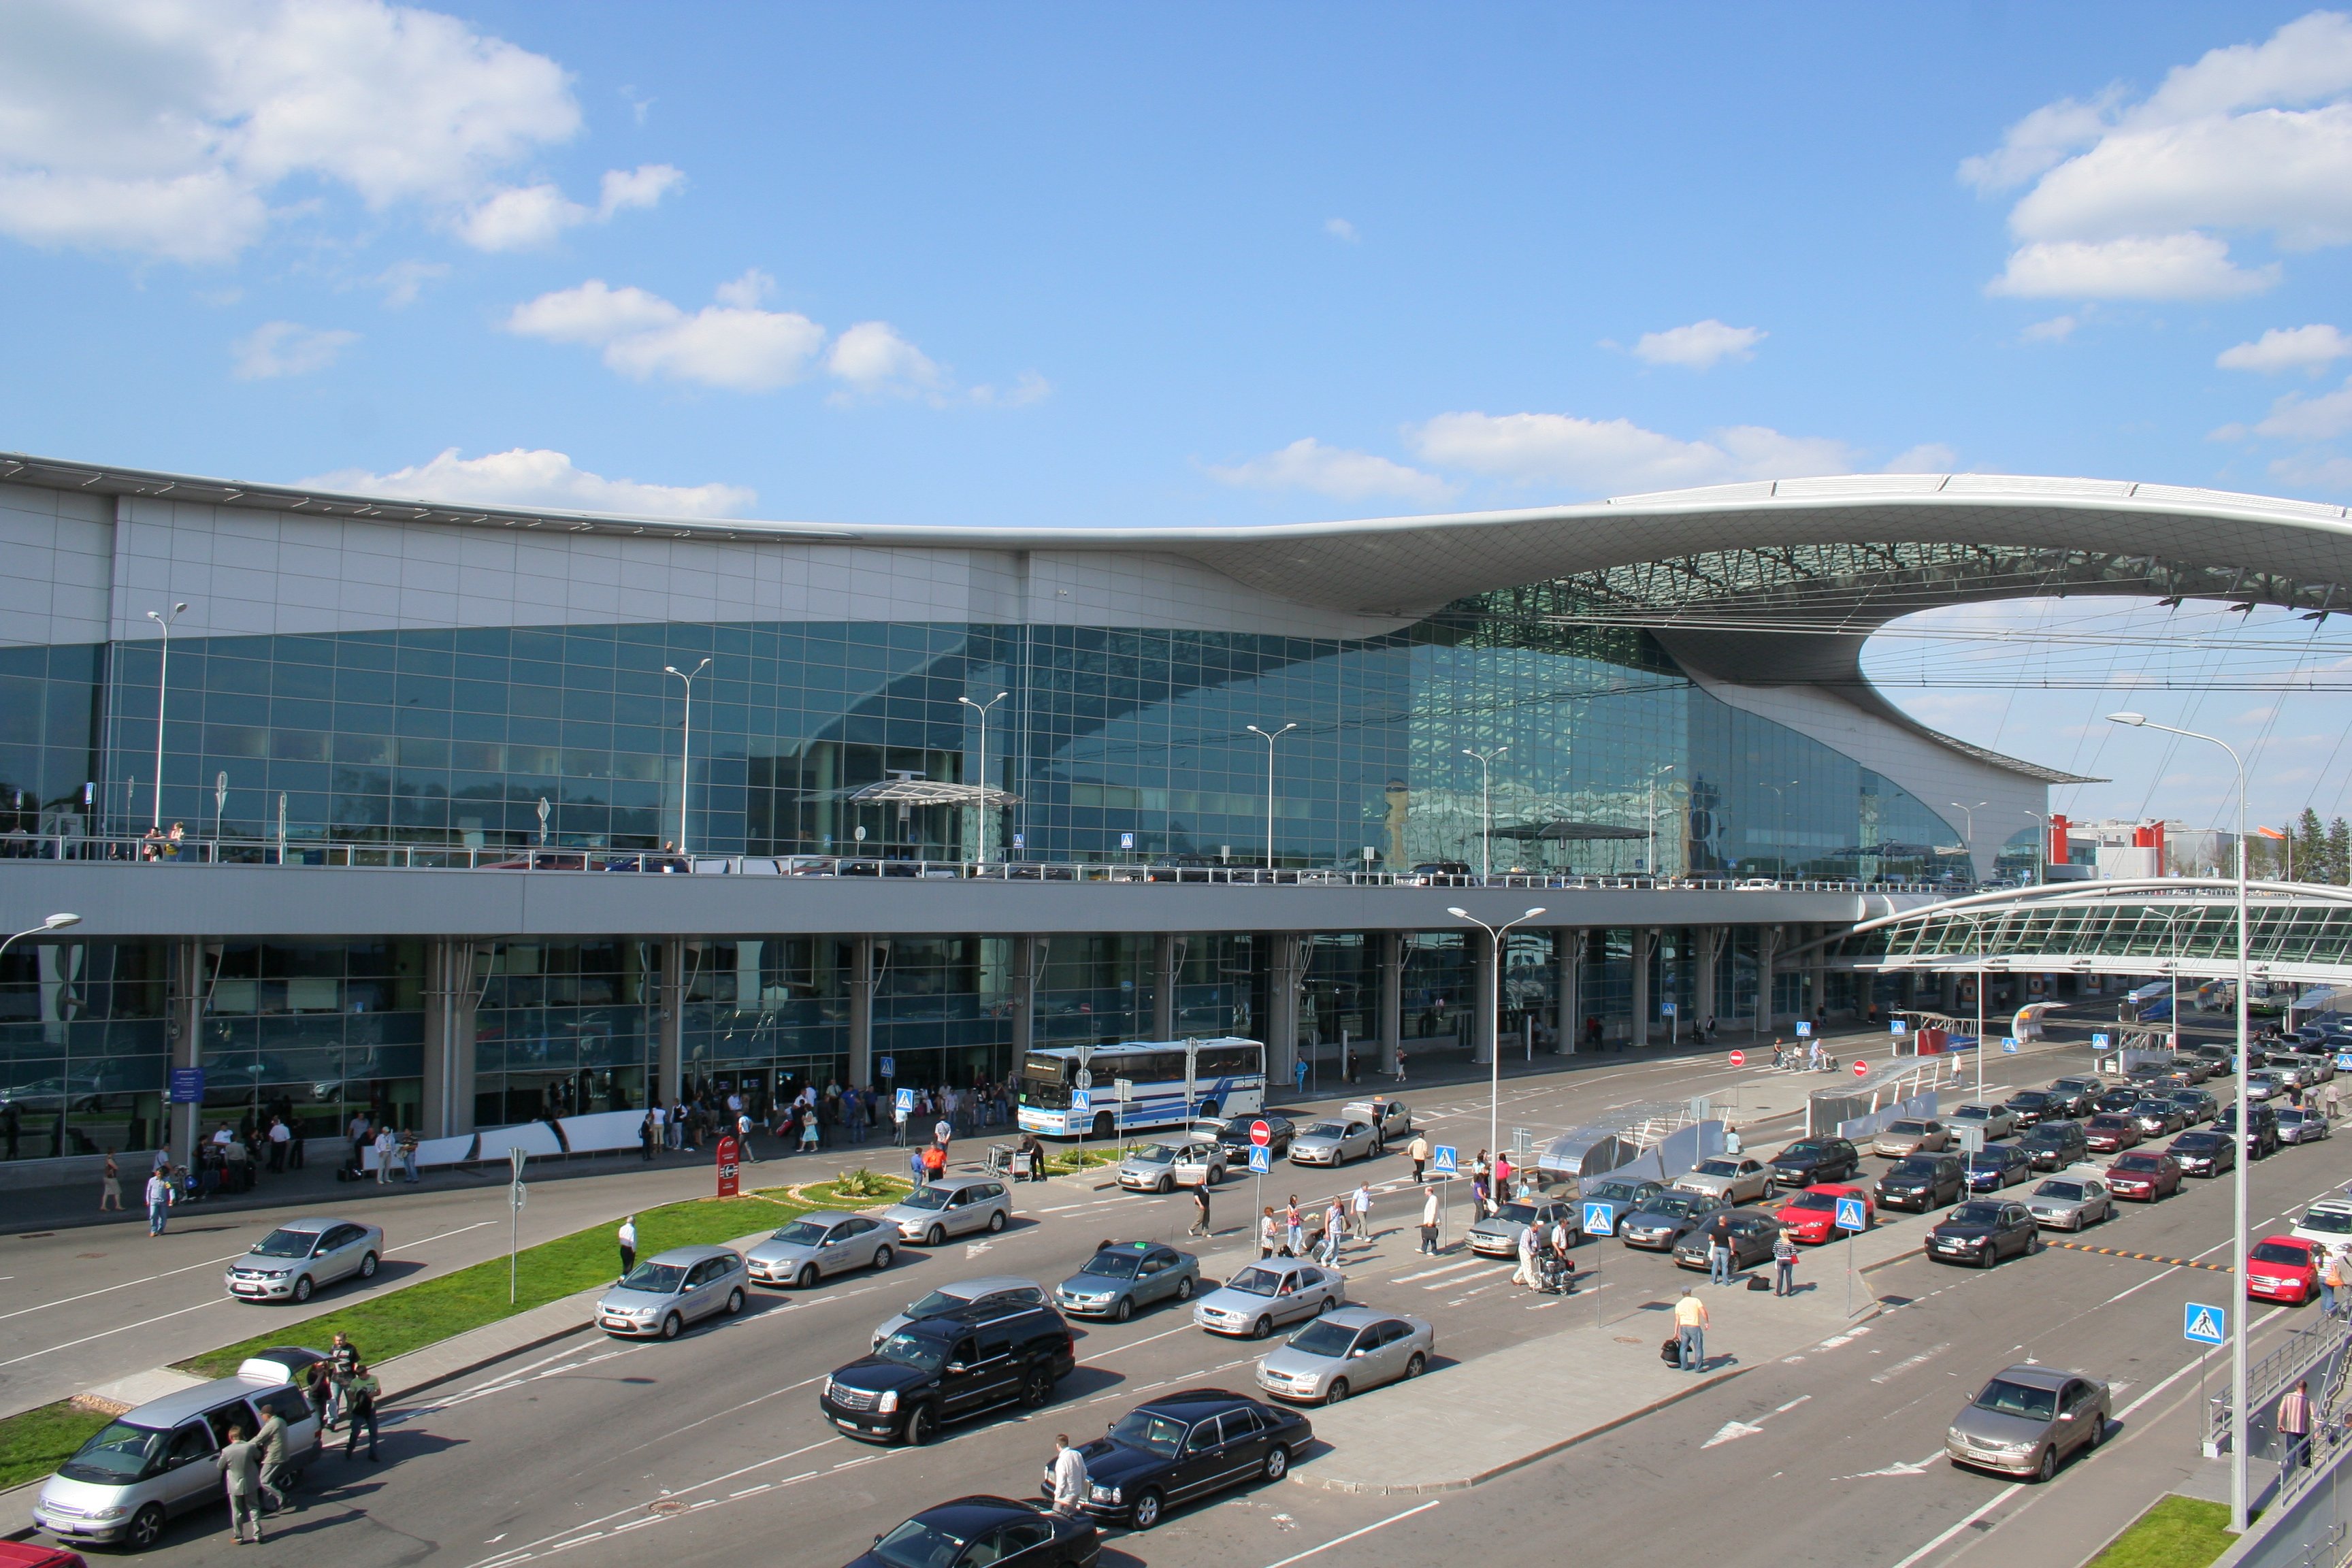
{"points": [[2040, 842], [1969, 834], [2245, 1141], [55, 922], [981, 709], [685, 748], [1485, 808], [1495, 935], [162, 696], [1270, 739], [1655, 773]]}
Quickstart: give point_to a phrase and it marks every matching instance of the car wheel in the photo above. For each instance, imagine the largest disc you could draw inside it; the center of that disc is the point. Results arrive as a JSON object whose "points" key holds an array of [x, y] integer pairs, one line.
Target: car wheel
{"points": [[1165, 1186], [921, 1427], [1262, 1327], [1415, 1367], [1325, 1305], [1123, 1311], [1379, 1148], [672, 1325], [995, 1221], [146, 1527], [302, 1288], [2048, 1467], [1336, 1392], [2098, 1431], [1278, 1462], [882, 1257], [936, 1236], [1147, 1511], [1184, 1289], [806, 1278], [1990, 1255], [367, 1267], [1039, 1388], [735, 1302]]}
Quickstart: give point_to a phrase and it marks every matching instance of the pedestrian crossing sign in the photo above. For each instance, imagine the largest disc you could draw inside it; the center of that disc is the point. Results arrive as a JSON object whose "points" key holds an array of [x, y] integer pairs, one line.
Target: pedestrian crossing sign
{"points": [[1082, 1101], [1850, 1215], [1600, 1219], [2204, 1325], [1444, 1161], [2008, 1044], [1261, 1158], [1804, 1029], [2100, 1042], [906, 1101]]}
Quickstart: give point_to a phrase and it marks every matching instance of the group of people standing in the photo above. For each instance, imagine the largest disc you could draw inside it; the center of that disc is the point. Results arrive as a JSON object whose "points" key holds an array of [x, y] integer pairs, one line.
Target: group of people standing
{"points": [[1284, 1232]]}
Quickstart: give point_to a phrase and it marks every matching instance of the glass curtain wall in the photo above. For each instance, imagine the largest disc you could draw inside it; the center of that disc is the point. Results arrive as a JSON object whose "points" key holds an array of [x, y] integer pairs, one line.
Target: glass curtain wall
{"points": [[83, 1048], [314, 1031], [766, 1018], [564, 1028]]}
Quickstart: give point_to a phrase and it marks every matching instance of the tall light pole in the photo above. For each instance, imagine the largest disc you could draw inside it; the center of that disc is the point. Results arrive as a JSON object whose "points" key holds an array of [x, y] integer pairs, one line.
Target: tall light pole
{"points": [[1495, 935], [1969, 834], [1655, 774], [163, 697], [1270, 738], [981, 709], [2245, 1141], [2040, 842], [685, 749], [1485, 808]]}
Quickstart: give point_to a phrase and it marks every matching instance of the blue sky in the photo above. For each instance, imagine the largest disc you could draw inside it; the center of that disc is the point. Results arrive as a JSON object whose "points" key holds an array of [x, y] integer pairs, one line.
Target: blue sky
{"points": [[1105, 266]]}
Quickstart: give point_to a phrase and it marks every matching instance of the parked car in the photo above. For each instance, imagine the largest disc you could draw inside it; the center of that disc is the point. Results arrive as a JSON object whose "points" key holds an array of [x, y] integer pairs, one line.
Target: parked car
{"points": [[1667, 1219], [1734, 1178], [950, 1368], [1127, 1275], [2264, 1085], [1911, 1135], [301, 1255], [2028, 1107], [1923, 1182], [2204, 1153], [2282, 1269], [1335, 1142], [1983, 1231], [2262, 1127], [2027, 1420], [666, 1293], [1170, 1163], [2070, 1202], [1989, 1120], [1618, 1196], [955, 1207], [1233, 1136], [2298, 1124], [2116, 1101], [817, 1245], [2055, 1145], [2077, 1092], [1497, 1235], [2320, 1065], [1264, 1296], [1811, 1214], [1185, 1446], [1392, 1118], [1003, 1291], [2199, 1067], [1998, 1167], [2197, 1105], [1811, 1160], [975, 1529], [2285, 1073], [2111, 1133], [2145, 1176], [1346, 1352], [2328, 1222], [156, 1460], [2157, 1118], [1752, 1233]]}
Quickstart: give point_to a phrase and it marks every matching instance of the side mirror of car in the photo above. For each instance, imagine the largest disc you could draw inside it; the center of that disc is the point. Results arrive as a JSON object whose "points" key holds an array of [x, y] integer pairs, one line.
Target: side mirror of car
{"points": [[2065, 1415], [957, 1366]]}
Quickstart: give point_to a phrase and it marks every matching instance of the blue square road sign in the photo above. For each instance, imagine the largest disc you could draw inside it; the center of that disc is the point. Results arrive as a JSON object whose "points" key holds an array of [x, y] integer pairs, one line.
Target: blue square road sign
{"points": [[1850, 1215], [1261, 1158], [1082, 1101], [1445, 1161], [905, 1102], [1600, 1219], [2204, 1325], [2008, 1044]]}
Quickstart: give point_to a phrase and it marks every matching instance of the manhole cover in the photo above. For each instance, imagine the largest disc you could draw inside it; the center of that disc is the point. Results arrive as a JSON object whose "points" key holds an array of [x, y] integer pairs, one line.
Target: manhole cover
{"points": [[662, 1507]]}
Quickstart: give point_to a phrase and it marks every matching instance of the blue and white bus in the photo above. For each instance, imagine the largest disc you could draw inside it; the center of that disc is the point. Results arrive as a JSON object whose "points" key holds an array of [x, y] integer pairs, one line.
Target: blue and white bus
{"points": [[1228, 1079]]}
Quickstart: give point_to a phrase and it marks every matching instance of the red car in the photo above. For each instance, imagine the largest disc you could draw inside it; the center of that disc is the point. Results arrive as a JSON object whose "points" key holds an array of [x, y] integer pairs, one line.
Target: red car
{"points": [[2109, 1134], [1813, 1213], [2143, 1177], [27, 1554], [2281, 1268]]}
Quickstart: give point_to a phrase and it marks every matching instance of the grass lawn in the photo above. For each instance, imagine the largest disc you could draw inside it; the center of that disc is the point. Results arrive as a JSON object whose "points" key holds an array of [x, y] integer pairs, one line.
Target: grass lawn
{"points": [[2178, 1532], [37, 1441]]}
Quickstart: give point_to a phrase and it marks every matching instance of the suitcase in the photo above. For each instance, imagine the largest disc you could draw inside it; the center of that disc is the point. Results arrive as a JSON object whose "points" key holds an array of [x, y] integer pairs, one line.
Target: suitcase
{"points": [[1758, 1282], [1671, 1352]]}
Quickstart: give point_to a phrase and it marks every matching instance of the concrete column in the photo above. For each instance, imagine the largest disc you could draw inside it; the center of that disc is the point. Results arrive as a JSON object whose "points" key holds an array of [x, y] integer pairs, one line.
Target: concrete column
{"points": [[1768, 947], [1817, 973], [1567, 1010], [862, 979], [1163, 986], [184, 996], [1390, 1023], [1951, 992], [446, 972], [1482, 1010], [1645, 944], [1282, 1008], [669, 1020], [1710, 957]]}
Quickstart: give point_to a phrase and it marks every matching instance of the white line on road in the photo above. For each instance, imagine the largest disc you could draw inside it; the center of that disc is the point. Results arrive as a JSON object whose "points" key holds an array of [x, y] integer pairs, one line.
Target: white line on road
{"points": [[1132, 1344], [1434, 1273], [1383, 1524], [1450, 1284], [102, 1333], [1975, 1514], [143, 1279], [518, 1554]]}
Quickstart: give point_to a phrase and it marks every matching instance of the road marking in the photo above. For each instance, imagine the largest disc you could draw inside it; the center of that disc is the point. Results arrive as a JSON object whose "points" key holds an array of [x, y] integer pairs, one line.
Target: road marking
{"points": [[1900, 1367], [517, 1553], [1133, 1344], [143, 1279], [1975, 1514], [1450, 1284], [1432, 1273], [1903, 1467], [2144, 1256], [1342, 1541], [102, 1333]]}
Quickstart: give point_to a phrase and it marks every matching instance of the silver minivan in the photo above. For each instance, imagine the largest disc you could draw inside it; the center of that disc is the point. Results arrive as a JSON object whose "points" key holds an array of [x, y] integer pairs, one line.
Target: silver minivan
{"points": [[952, 1207], [670, 1289], [157, 1460]]}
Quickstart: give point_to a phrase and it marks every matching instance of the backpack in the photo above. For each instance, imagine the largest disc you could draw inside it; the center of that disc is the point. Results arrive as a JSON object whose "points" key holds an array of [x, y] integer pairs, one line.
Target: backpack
{"points": [[1671, 1352]]}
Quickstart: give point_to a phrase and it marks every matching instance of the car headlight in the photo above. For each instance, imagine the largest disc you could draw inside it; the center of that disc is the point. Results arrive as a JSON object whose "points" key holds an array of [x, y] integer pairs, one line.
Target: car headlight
{"points": [[117, 1511], [887, 1402], [826, 1392], [1103, 1494]]}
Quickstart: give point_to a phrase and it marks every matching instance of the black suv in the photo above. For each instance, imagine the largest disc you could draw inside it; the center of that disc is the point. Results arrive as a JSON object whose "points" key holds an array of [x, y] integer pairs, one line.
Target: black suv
{"points": [[2262, 1132], [1185, 1446], [2032, 1106], [1811, 1160], [1234, 1137], [942, 1369], [1983, 1231], [2055, 1145], [2076, 1092], [1922, 1182]]}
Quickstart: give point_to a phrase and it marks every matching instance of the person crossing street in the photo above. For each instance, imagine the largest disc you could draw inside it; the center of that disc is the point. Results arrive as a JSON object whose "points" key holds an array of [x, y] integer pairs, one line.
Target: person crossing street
{"points": [[1201, 1206], [1418, 1152], [1069, 1478]]}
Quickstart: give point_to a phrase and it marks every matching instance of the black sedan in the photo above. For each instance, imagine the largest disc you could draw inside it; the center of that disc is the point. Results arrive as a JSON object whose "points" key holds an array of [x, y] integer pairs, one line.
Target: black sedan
{"points": [[972, 1531], [1233, 1138], [1983, 1232], [2034, 1106], [1183, 1446], [1999, 1165], [2204, 1153], [2116, 1101], [1922, 1182], [1811, 1160], [2055, 1145]]}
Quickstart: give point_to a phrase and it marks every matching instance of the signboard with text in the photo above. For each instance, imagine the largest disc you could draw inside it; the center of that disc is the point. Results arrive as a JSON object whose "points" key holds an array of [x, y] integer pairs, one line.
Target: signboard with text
{"points": [[729, 1172]]}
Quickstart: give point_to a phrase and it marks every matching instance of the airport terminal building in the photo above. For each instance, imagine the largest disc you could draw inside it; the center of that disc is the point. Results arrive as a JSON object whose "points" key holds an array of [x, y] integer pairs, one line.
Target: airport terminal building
{"points": [[401, 741]]}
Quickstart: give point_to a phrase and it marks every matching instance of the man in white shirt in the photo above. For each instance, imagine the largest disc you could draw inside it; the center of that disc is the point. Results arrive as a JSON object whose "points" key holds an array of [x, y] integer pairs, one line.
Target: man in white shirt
{"points": [[1069, 1478], [384, 1144]]}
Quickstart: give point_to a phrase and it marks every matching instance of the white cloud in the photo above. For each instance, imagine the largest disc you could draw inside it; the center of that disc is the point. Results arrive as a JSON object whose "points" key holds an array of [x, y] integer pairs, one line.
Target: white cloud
{"points": [[2125, 197], [872, 360], [732, 344], [165, 130], [1699, 346], [1309, 465], [2295, 418], [1927, 457], [286, 348], [2315, 471], [1616, 455], [2309, 349], [526, 478], [521, 216], [1340, 228], [401, 281], [2056, 330], [2162, 266], [642, 186], [1027, 387]]}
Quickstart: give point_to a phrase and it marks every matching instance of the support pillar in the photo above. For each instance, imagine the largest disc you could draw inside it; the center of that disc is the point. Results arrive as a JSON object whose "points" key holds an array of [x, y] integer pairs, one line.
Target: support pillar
{"points": [[185, 994], [862, 981], [1566, 965], [1284, 975], [1768, 947], [1028, 958], [1817, 978], [1711, 940], [1487, 991], [449, 993], [1645, 942], [1390, 1023], [1164, 961], [669, 1019], [1951, 993]]}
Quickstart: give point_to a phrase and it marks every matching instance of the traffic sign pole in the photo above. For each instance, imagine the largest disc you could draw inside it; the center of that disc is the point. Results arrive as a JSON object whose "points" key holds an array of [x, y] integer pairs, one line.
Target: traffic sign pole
{"points": [[515, 1157]]}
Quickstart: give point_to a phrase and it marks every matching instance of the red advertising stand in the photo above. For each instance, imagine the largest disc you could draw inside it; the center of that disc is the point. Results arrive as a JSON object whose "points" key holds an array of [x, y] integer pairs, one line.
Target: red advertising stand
{"points": [[730, 1183]]}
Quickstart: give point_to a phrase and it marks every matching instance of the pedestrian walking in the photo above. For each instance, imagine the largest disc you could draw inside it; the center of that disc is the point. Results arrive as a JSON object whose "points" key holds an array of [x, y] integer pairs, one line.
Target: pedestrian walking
{"points": [[1201, 1210], [2295, 1429], [342, 1360], [110, 1187], [628, 1239], [361, 1395], [1784, 1263], [743, 1137], [385, 1142], [811, 1130], [1294, 1229], [160, 1198], [240, 1469], [1418, 1152], [1719, 1250], [409, 1153], [318, 1389], [942, 1133], [1563, 1242], [1269, 1234], [2331, 1281], [648, 1134], [1334, 1232], [1361, 1218], [282, 1147], [1430, 1212], [1530, 1243], [2327, 1100], [935, 1163], [1069, 1478], [271, 1441], [1399, 1073], [1690, 1329]]}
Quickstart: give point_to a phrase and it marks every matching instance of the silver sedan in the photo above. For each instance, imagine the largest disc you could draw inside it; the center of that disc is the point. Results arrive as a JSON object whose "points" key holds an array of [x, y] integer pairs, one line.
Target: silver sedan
{"points": [[1345, 1352], [2070, 1202], [1264, 1296], [817, 1245], [302, 1254], [1335, 1142], [1734, 1178]]}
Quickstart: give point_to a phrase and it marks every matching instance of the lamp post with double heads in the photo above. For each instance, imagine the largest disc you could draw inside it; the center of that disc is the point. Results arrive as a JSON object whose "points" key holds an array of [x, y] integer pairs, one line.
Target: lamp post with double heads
{"points": [[1495, 935], [162, 697], [684, 750], [1485, 809], [2245, 1126], [1270, 737], [981, 709], [1969, 835]]}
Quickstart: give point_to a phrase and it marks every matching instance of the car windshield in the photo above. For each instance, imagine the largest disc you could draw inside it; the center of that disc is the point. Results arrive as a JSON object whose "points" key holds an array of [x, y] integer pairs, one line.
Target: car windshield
{"points": [[655, 1278], [2154, 1108], [1255, 1282], [1907, 1129], [1327, 1129], [1320, 1338], [1151, 1432], [2279, 1252], [2293, 1117], [804, 1233], [2052, 1132], [286, 1244], [1814, 1198], [919, 1350], [1910, 1169], [915, 1544], [925, 1198], [1155, 1154], [1114, 1265], [2107, 1123], [119, 1453], [2335, 1222], [2198, 1142], [1620, 1193], [1988, 1159], [2071, 1191], [1716, 1168], [1977, 1213], [1517, 1214], [1971, 1114], [2009, 1398], [2031, 1096], [1678, 1207], [2138, 1162]]}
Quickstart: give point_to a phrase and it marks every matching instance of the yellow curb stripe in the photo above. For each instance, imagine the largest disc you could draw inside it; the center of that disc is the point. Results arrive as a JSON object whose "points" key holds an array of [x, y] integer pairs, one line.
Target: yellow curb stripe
{"points": [[2147, 1256]]}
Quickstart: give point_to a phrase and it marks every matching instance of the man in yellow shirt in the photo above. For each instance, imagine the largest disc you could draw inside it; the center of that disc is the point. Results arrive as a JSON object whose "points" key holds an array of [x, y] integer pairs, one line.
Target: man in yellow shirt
{"points": [[1690, 1324]]}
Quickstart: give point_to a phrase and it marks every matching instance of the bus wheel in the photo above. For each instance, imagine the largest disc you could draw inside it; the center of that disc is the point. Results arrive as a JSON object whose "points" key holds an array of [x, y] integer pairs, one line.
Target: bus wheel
{"points": [[1102, 1126]]}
